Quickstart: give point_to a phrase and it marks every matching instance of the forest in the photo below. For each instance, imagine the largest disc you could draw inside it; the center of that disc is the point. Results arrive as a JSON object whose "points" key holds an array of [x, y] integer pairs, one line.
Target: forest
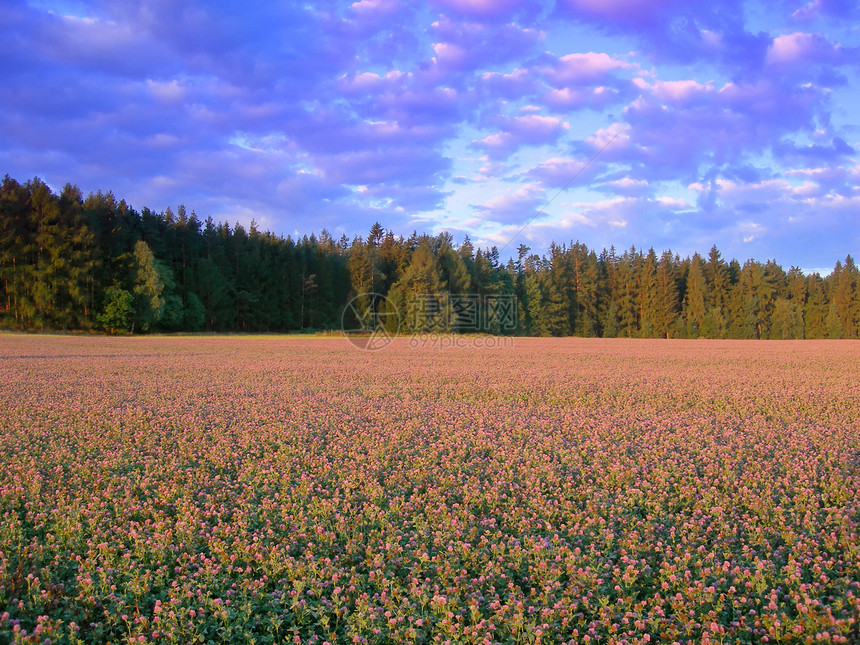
{"points": [[94, 263]]}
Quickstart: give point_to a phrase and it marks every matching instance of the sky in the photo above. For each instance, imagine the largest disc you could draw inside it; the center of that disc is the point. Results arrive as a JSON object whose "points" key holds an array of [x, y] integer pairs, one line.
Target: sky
{"points": [[650, 123]]}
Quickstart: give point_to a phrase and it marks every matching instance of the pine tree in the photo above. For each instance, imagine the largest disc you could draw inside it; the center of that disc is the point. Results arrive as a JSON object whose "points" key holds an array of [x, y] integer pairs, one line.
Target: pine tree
{"points": [[816, 308], [787, 320], [76, 274], [69, 262], [535, 319], [666, 301], [625, 299], [844, 280], [423, 293], [608, 295], [717, 277], [585, 278], [45, 215], [694, 298], [646, 296], [555, 320], [17, 244]]}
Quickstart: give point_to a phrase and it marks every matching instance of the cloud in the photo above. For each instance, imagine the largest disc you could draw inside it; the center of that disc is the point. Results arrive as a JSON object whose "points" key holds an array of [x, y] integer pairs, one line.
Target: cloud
{"points": [[627, 186], [676, 92], [375, 8], [620, 12], [618, 221], [530, 129], [844, 9], [677, 31], [673, 203], [837, 150], [799, 47], [464, 45], [517, 83], [399, 165], [516, 207], [584, 81], [483, 9], [595, 98], [578, 69], [836, 180], [149, 99], [678, 129], [557, 172]]}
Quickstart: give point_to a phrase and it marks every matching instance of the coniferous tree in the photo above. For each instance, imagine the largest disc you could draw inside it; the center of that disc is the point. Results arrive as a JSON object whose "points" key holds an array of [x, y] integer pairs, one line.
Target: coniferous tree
{"points": [[787, 320], [625, 299], [420, 291], [646, 294], [609, 293], [666, 301], [69, 262], [554, 315], [844, 281], [717, 277], [816, 308], [17, 241], [585, 280], [694, 298], [535, 319]]}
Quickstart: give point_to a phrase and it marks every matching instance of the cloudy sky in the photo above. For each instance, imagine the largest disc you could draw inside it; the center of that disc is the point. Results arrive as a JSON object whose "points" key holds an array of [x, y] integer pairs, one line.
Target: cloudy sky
{"points": [[730, 123]]}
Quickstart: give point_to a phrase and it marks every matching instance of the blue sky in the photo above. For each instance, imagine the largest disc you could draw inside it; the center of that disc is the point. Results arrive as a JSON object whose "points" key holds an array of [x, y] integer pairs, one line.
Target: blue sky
{"points": [[735, 123]]}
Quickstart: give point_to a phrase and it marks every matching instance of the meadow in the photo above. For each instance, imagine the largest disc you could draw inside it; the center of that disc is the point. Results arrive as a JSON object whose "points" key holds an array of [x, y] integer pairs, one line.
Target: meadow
{"points": [[263, 490]]}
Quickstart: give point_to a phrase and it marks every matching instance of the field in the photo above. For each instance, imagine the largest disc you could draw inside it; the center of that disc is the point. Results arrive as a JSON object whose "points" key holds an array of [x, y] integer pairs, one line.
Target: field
{"points": [[257, 490]]}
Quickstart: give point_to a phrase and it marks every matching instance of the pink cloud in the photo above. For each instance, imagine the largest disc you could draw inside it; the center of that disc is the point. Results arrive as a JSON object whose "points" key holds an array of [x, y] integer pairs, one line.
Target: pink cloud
{"points": [[800, 47], [627, 186], [451, 55], [518, 82], [361, 83], [481, 8], [517, 206], [584, 68], [557, 171], [532, 129], [595, 98], [461, 45], [680, 91], [168, 91], [375, 7], [616, 133]]}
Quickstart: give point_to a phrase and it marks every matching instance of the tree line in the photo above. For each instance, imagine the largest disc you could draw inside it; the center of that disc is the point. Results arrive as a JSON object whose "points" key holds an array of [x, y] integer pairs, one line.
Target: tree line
{"points": [[73, 263]]}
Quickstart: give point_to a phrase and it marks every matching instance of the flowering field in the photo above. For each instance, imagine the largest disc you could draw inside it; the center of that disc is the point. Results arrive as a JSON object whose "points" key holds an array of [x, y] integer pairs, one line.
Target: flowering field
{"points": [[258, 490]]}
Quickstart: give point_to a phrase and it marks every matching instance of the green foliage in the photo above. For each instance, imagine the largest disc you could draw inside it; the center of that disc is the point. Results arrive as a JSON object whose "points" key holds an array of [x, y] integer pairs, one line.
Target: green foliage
{"points": [[787, 320], [118, 310], [148, 286], [714, 324], [63, 257], [172, 315], [534, 306], [194, 313]]}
